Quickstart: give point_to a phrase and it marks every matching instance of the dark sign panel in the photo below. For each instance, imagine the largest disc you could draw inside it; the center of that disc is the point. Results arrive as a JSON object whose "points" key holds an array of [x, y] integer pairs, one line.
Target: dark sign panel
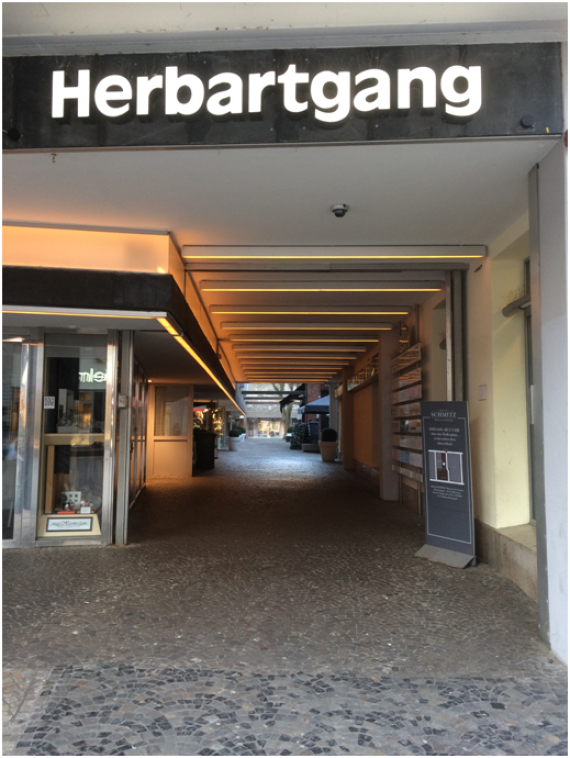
{"points": [[447, 476], [284, 96]]}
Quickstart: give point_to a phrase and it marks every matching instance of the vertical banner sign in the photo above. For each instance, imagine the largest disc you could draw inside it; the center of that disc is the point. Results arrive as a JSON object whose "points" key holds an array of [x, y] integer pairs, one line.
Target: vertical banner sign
{"points": [[447, 482]]}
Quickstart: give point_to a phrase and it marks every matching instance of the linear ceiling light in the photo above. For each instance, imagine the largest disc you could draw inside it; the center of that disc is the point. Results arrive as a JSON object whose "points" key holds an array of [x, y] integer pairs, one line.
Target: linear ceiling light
{"points": [[251, 349], [292, 357], [293, 373], [290, 370], [321, 257], [314, 340], [301, 359], [292, 364], [272, 363], [336, 252], [174, 330], [308, 326], [71, 312], [364, 288], [218, 310]]}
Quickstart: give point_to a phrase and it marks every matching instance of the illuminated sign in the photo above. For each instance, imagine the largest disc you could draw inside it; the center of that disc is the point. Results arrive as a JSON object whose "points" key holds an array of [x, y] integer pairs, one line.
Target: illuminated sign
{"points": [[285, 96], [87, 377], [331, 93]]}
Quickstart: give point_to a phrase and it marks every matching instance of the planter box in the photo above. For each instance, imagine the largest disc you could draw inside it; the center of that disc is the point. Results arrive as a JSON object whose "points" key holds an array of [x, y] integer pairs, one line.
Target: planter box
{"points": [[328, 451], [233, 443]]}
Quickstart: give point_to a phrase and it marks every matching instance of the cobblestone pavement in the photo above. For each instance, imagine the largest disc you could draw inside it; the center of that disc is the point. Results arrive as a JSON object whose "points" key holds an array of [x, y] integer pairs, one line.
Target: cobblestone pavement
{"points": [[272, 606]]}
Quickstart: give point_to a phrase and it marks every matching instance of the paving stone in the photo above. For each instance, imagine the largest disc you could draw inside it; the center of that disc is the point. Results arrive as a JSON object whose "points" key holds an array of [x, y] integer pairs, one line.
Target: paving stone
{"points": [[272, 606]]}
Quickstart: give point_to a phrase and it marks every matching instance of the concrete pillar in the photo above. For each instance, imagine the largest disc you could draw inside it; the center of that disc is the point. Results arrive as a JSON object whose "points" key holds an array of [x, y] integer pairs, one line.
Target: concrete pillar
{"points": [[549, 280], [389, 482], [347, 422], [333, 403]]}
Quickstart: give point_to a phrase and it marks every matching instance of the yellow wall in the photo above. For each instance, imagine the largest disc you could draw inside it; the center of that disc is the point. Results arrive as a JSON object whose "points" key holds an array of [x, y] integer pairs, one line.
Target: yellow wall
{"points": [[366, 433], [509, 387], [496, 360], [495, 348], [432, 334]]}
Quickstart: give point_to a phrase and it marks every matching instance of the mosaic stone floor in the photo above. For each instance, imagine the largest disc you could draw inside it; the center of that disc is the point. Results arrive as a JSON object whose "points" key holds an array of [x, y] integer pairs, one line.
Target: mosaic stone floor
{"points": [[271, 607]]}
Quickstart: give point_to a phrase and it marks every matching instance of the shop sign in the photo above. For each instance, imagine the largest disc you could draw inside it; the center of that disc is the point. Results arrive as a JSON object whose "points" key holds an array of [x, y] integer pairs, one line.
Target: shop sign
{"points": [[186, 94], [91, 377], [284, 96], [72, 524], [88, 377], [447, 476]]}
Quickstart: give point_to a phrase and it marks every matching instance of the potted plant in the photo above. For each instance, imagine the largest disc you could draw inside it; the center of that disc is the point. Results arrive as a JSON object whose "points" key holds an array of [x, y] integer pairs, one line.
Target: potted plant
{"points": [[328, 444], [234, 436]]}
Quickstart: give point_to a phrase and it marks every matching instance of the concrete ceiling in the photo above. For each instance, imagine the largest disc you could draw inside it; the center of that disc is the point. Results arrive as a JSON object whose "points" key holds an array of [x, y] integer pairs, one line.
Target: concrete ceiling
{"points": [[460, 193], [455, 193], [438, 193]]}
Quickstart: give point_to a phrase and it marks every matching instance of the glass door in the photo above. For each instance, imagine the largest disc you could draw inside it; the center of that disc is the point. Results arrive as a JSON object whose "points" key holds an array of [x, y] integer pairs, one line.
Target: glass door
{"points": [[73, 437]]}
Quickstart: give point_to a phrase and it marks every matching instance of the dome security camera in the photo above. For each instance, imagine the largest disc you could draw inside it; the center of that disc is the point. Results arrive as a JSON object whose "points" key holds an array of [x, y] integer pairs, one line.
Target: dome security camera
{"points": [[339, 209]]}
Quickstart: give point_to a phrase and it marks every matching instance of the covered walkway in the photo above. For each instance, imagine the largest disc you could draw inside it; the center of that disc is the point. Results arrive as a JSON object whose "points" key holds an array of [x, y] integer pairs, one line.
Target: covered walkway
{"points": [[271, 607]]}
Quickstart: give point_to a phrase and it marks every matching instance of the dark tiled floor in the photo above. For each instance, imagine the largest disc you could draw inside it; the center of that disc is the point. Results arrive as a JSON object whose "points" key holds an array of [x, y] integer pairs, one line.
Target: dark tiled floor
{"points": [[271, 606]]}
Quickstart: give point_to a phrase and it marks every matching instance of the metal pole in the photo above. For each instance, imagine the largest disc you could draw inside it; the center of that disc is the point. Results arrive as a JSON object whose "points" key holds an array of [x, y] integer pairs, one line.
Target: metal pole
{"points": [[448, 336], [109, 443], [457, 325], [124, 446]]}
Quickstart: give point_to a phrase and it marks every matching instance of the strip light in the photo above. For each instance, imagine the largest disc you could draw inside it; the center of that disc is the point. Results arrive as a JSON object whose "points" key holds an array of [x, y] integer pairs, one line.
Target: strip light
{"points": [[285, 361], [289, 378], [321, 289], [309, 313], [80, 315], [164, 322], [319, 328], [251, 349], [323, 257], [237, 338], [273, 367], [298, 358], [289, 372]]}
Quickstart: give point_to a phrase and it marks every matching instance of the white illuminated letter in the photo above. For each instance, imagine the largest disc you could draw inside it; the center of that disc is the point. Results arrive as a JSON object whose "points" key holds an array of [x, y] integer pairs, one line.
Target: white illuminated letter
{"points": [[60, 93], [103, 95], [174, 83], [290, 79], [380, 91], [229, 100], [257, 83], [427, 78], [340, 102], [145, 86], [471, 96]]}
